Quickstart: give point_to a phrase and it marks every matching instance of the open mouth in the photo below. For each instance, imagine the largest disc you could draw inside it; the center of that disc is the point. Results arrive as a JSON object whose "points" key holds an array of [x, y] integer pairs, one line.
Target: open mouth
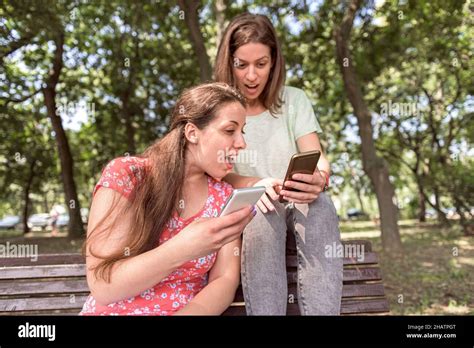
{"points": [[230, 160], [251, 87]]}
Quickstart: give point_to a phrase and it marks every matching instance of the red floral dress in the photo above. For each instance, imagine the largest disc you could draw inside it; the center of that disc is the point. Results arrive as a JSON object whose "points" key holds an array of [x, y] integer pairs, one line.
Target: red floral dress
{"points": [[177, 289]]}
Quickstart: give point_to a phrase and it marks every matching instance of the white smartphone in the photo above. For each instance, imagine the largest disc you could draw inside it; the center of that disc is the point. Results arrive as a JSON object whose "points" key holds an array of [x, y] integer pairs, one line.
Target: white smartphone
{"points": [[241, 198]]}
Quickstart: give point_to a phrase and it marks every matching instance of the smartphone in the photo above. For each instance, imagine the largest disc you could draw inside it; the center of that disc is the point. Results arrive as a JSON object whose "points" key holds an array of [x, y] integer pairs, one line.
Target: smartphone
{"points": [[241, 198], [302, 163]]}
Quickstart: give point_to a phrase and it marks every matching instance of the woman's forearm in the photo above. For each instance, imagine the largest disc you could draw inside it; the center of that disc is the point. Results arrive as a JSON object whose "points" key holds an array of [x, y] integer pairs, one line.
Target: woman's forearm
{"points": [[136, 274], [214, 299], [239, 181], [323, 164]]}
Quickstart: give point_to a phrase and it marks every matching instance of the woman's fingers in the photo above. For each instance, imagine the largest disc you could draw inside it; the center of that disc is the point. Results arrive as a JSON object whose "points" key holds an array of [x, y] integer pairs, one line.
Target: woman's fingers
{"points": [[303, 187], [268, 204], [278, 189], [232, 218], [234, 231], [262, 206], [308, 189], [299, 197], [305, 178], [271, 193]]}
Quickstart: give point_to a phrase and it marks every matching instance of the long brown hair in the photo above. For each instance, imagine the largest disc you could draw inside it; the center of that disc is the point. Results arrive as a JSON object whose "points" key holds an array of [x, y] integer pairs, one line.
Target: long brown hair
{"points": [[243, 29], [157, 195]]}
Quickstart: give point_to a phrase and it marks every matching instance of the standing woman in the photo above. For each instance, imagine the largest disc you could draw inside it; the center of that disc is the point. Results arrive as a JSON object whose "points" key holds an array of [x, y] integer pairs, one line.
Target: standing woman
{"points": [[280, 122]]}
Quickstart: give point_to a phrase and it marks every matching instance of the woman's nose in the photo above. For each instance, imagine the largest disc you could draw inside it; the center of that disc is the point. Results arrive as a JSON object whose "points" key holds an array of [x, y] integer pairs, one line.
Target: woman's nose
{"points": [[240, 143], [251, 75]]}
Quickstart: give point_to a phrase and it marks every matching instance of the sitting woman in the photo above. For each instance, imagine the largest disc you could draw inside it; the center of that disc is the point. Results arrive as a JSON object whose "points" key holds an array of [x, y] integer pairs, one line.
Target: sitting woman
{"points": [[155, 245]]}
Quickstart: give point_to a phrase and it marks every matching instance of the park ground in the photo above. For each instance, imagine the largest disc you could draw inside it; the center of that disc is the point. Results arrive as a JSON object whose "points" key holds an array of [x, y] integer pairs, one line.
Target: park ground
{"points": [[434, 277]]}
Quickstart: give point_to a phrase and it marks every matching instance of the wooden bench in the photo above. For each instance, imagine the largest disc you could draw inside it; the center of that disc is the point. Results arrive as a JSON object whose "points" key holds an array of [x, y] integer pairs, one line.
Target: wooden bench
{"points": [[56, 284]]}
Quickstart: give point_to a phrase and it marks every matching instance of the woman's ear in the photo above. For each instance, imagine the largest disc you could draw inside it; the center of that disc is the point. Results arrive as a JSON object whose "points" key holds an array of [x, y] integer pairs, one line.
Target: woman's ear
{"points": [[191, 133]]}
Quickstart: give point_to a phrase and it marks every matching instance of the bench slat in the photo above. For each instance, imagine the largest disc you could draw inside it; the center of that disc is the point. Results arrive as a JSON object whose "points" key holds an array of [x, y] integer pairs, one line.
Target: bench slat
{"points": [[68, 286], [27, 272], [45, 271], [74, 270], [71, 286], [362, 274], [369, 306], [63, 259], [365, 306], [43, 259], [43, 303]]}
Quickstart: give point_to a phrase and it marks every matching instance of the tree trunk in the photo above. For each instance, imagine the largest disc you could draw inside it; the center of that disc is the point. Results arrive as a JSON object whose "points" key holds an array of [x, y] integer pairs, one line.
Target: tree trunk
{"points": [[465, 216], [441, 215], [128, 118], [357, 190], [374, 166], [191, 17], [26, 196], [45, 203], [422, 205], [76, 228], [439, 212], [421, 192]]}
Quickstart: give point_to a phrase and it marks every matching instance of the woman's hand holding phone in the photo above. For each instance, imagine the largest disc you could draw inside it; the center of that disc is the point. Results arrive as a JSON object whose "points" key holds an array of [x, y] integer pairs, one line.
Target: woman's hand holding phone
{"points": [[207, 235], [273, 187], [303, 181], [308, 185]]}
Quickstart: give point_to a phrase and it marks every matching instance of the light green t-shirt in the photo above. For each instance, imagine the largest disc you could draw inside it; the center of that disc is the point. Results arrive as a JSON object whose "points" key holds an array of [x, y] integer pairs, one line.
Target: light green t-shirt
{"points": [[271, 140]]}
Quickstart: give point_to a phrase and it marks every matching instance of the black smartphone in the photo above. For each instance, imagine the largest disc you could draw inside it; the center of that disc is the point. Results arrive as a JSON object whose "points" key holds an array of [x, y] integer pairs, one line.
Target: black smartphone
{"points": [[301, 163]]}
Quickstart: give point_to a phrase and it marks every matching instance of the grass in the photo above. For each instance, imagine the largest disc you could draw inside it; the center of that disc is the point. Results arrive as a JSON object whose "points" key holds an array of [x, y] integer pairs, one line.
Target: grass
{"points": [[45, 242], [435, 276]]}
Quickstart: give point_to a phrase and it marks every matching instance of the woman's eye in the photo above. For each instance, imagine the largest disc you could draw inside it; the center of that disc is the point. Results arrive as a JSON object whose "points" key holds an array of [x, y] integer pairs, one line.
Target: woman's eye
{"points": [[262, 65], [230, 131]]}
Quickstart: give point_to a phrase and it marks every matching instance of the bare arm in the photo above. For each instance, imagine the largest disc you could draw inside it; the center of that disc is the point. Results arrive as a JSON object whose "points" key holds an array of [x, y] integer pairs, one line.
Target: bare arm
{"points": [[239, 181], [224, 278]]}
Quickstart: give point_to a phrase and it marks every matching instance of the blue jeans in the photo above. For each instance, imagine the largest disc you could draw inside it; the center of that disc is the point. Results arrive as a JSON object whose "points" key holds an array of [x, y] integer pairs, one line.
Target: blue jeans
{"points": [[264, 278]]}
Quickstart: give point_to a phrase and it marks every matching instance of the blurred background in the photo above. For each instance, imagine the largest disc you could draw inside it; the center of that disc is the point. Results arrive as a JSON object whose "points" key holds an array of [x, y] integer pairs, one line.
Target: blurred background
{"points": [[83, 82]]}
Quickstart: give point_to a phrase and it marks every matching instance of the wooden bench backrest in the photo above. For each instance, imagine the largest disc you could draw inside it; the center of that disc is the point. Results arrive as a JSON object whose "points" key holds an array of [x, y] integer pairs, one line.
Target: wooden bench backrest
{"points": [[56, 283]]}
